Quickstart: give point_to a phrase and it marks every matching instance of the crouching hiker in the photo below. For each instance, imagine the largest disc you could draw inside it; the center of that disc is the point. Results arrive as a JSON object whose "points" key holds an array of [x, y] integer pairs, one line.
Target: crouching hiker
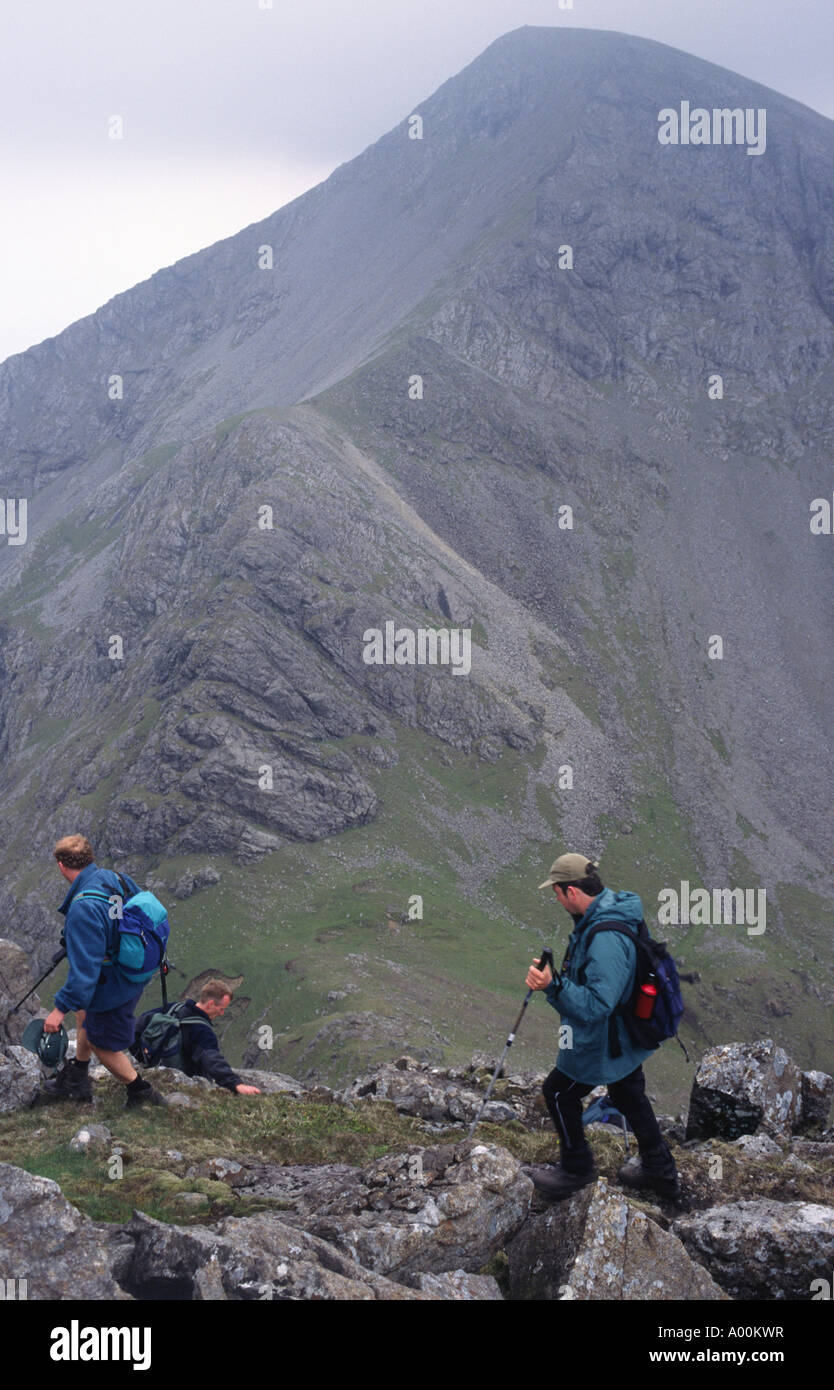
{"points": [[591, 992], [182, 1036], [97, 990]]}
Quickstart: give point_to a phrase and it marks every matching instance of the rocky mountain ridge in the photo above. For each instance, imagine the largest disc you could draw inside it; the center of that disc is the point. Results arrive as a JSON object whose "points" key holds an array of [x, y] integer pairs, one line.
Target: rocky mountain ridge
{"points": [[181, 668], [450, 1217]]}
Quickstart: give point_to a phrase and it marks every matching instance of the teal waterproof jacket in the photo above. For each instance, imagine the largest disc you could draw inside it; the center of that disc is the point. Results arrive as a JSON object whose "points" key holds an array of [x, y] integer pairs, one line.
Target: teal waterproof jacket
{"points": [[610, 966], [93, 982]]}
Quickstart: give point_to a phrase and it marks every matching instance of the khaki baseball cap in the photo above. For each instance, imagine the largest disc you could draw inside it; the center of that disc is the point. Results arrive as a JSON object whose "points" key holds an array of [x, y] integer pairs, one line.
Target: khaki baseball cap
{"points": [[568, 868]]}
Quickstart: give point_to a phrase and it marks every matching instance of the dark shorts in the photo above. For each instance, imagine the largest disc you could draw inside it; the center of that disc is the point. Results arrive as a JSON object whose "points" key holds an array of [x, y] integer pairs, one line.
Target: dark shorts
{"points": [[112, 1029]]}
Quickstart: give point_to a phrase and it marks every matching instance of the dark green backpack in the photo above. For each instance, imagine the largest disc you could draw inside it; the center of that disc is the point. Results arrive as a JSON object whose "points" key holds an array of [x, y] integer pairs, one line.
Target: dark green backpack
{"points": [[158, 1040]]}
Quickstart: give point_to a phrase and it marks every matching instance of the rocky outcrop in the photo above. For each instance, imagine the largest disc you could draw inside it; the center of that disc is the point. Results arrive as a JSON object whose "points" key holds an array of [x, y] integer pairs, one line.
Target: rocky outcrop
{"points": [[451, 1096], [20, 1078], [273, 1082], [758, 1146], [740, 1086], [420, 1224], [432, 1221], [189, 883], [598, 1245], [762, 1249], [430, 1210], [46, 1241], [820, 1149], [244, 1259], [15, 980], [456, 1284], [817, 1095]]}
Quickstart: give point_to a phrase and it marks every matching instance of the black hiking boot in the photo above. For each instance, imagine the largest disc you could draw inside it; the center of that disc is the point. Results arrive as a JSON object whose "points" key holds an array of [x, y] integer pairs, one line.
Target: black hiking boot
{"points": [[556, 1182], [654, 1169], [143, 1094], [72, 1082]]}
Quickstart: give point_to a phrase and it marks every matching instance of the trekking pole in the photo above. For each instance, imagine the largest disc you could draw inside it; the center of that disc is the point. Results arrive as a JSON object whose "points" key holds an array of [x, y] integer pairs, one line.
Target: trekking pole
{"points": [[546, 959], [56, 961]]}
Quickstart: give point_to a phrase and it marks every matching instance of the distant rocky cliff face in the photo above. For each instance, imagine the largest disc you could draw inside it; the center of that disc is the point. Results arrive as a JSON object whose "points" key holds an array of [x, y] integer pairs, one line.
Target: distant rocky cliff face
{"points": [[476, 389]]}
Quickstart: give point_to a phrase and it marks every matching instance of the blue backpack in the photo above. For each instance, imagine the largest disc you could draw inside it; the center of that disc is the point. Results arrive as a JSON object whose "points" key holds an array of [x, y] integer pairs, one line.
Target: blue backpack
{"points": [[602, 1111], [655, 966], [143, 931]]}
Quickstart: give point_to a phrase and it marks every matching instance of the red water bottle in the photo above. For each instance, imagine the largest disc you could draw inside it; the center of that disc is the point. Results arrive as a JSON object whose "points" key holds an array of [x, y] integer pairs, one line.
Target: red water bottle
{"points": [[646, 1000]]}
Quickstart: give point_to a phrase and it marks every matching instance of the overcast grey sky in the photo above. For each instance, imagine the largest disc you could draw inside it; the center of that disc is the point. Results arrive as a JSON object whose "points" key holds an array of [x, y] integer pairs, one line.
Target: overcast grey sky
{"points": [[232, 108]]}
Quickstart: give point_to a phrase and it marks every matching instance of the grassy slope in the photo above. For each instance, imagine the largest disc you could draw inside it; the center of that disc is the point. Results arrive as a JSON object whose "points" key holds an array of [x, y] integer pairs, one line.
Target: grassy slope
{"points": [[160, 1147], [314, 918]]}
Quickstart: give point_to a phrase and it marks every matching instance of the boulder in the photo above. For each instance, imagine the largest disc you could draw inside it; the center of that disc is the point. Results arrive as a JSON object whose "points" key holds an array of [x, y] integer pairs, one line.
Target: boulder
{"points": [[598, 1245], [222, 1168], [90, 1137], [247, 1258], [46, 1241], [446, 1095], [20, 1078], [817, 1095], [792, 1164], [758, 1146], [189, 883], [821, 1151], [271, 1082], [740, 1086], [300, 1188], [762, 1249], [191, 1200], [425, 1093], [457, 1284], [431, 1210]]}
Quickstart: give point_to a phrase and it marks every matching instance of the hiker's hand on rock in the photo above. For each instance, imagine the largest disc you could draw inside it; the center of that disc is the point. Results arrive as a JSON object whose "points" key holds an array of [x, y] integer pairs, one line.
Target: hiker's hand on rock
{"points": [[248, 1090], [53, 1021], [538, 979]]}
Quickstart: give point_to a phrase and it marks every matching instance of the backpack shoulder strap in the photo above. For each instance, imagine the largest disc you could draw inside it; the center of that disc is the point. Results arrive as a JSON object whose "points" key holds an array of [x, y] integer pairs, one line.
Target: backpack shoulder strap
{"points": [[126, 893], [619, 927], [181, 1004], [640, 940], [102, 898], [613, 1040], [92, 893], [613, 926]]}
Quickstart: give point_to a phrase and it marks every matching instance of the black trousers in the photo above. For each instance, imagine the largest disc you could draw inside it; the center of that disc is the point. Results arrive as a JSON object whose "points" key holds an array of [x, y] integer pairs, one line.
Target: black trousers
{"points": [[564, 1097]]}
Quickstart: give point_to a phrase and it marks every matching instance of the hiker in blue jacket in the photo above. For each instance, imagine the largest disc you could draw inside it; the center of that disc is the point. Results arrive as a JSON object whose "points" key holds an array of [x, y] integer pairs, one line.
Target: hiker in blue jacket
{"points": [[593, 980], [102, 1000]]}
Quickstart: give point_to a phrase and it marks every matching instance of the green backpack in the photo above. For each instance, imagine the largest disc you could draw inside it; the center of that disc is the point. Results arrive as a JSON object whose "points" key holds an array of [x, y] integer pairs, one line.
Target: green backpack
{"points": [[158, 1040]]}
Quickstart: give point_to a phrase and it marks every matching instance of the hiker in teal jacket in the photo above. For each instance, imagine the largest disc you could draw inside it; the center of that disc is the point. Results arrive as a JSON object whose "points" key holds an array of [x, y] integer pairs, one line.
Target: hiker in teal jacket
{"points": [[595, 1046], [608, 981]]}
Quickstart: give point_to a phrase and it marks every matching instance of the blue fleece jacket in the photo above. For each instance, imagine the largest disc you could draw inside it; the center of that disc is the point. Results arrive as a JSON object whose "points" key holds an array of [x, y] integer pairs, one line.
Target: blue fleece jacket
{"points": [[610, 966], [93, 982]]}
